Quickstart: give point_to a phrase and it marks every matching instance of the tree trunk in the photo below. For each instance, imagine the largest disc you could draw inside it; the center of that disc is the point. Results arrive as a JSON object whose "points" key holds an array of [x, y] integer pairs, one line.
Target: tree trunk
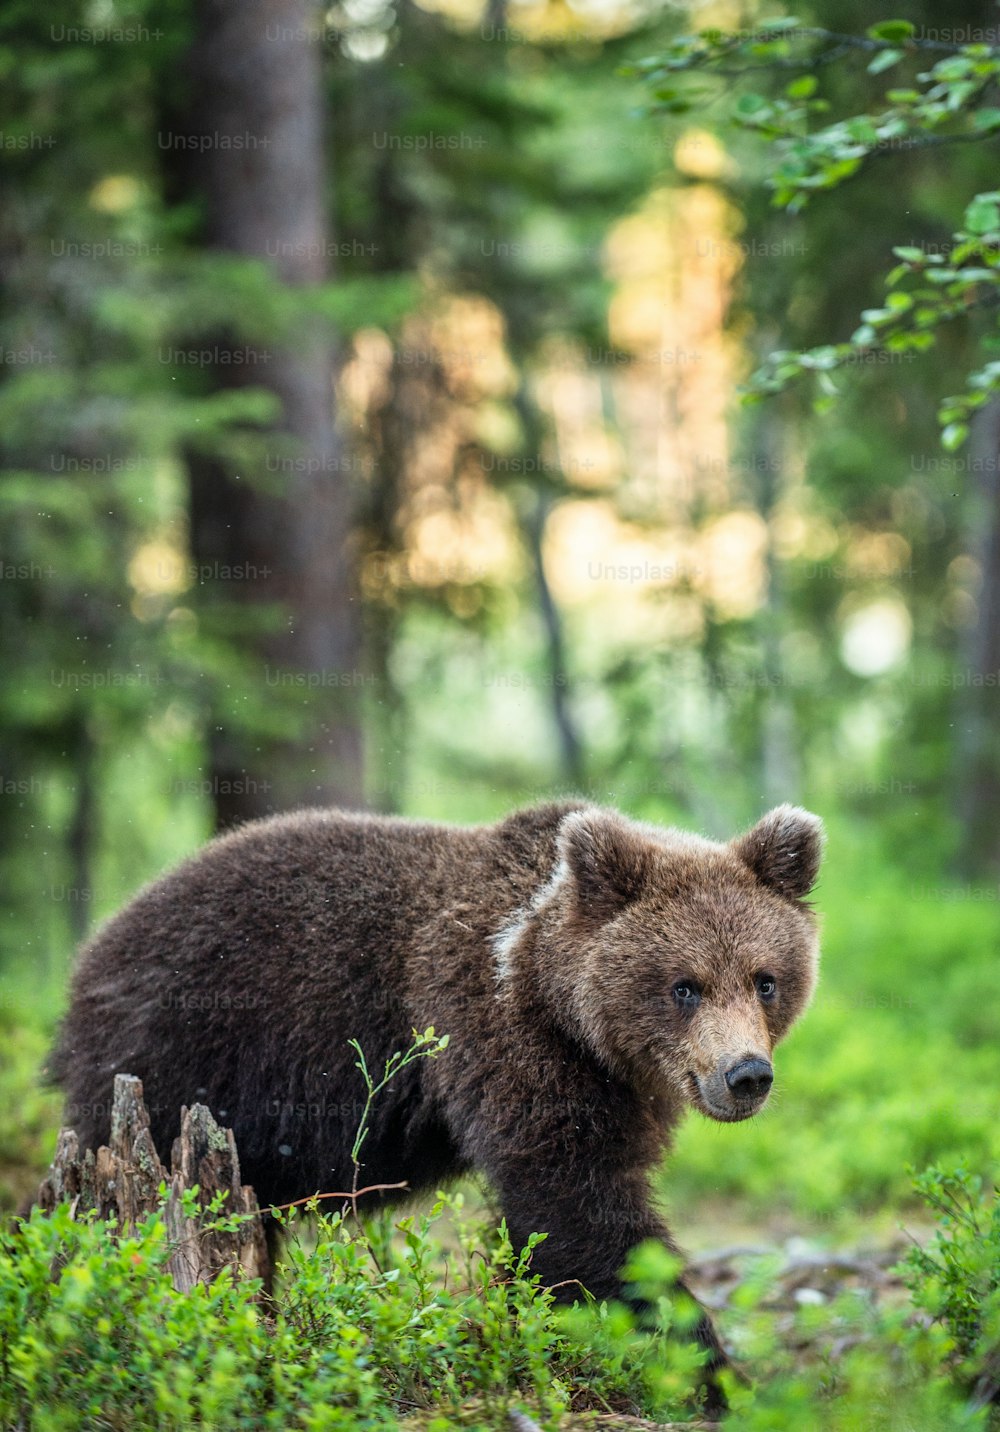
{"points": [[256, 81], [570, 748], [978, 747], [778, 762], [533, 522]]}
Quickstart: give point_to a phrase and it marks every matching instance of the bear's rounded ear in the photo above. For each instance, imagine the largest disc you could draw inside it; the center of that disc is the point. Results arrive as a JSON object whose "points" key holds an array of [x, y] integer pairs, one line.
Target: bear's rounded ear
{"points": [[604, 861], [784, 850]]}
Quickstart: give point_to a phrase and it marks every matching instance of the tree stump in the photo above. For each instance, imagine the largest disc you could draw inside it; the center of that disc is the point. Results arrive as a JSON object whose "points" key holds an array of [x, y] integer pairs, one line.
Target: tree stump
{"points": [[122, 1181]]}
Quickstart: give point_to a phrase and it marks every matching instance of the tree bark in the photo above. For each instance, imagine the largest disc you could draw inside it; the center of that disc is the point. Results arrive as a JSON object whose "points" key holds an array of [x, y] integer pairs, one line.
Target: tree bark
{"points": [[122, 1180], [978, 746], [571, 752], [257, 117], [570, 747], [778, 762]]}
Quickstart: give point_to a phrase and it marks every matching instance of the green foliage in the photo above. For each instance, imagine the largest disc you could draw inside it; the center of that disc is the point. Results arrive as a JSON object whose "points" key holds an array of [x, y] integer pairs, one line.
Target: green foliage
{"points": [[27, 1112], [652, 1345], [945, 104], [487, 1332], [432, 1316], [948, 102], [956, 1277], [92, 1333], [936, 290], [446, 1326]]}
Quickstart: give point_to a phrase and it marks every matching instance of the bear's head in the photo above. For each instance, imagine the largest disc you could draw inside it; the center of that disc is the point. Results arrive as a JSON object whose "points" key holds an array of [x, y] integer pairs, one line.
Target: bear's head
{"points": [[680, 961]]}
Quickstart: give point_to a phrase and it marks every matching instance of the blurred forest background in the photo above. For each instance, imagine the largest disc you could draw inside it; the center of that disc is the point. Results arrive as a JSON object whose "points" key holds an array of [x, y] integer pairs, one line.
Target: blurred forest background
{"points": [[369, 435]]}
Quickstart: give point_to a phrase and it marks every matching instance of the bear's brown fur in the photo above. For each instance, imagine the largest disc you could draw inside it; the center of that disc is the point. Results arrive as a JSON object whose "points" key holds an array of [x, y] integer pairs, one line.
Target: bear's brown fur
{"points": [[596, 976]]}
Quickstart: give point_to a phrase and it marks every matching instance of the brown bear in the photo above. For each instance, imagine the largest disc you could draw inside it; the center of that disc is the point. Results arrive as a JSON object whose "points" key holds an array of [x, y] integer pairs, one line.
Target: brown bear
{"points": [[596, 977]]}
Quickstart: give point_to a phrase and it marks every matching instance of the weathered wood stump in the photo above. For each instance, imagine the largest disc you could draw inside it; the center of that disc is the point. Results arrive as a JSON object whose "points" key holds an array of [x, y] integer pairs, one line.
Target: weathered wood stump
{"points": [[122, 1181]]}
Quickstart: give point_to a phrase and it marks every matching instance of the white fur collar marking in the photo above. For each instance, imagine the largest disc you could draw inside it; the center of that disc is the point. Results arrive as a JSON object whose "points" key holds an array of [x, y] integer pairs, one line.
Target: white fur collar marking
{"points": [[508, 937], [505, 942]]}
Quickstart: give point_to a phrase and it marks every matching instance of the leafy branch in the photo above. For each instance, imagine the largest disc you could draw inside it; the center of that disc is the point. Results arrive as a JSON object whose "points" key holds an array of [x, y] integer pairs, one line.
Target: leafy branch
{"points": [[947, 103]]}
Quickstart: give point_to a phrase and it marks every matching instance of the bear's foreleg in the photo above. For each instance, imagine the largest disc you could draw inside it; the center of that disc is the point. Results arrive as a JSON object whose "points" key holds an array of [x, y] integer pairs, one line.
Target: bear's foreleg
{"points": [[589, 1238]]}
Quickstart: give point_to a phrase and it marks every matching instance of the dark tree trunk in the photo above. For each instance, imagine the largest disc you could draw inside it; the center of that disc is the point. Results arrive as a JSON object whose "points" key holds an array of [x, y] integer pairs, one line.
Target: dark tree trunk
{"points": [[533, 522], [392, 427], [81, 837], [256, 79], [978, 748], [778, 760], [570, 749]]}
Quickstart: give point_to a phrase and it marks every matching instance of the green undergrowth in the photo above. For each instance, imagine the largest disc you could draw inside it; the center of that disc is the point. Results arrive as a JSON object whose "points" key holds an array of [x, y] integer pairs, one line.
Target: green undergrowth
{"points": [[382, 1325], [368, 1327], [415, 1324]]}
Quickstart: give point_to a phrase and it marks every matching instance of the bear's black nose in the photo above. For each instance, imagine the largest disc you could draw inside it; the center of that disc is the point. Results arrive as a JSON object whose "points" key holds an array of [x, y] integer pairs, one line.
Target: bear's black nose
{"points": [[750, 1079]]}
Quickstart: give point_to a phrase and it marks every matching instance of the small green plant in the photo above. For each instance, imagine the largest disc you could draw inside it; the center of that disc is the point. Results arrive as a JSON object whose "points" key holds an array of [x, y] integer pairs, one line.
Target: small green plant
{"points": [[448, 1328], [956, 1277], [425, 1046], [643, 1358]]}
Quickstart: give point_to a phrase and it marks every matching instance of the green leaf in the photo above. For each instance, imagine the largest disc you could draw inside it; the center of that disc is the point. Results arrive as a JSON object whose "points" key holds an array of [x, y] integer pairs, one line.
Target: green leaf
{"points": [[884, 60], [982, 216], [862, 130], [910, 254], [803, 88], [776, 49], [779, 23], [952, 68], [820, 358], [752, 105], [960, 93], [953, 436], [894, 32]]}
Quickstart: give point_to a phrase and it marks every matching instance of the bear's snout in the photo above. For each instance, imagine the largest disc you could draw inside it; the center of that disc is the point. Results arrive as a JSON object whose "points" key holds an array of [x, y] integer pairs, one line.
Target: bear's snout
{"points": [[750, 1080], [734, 1091]]}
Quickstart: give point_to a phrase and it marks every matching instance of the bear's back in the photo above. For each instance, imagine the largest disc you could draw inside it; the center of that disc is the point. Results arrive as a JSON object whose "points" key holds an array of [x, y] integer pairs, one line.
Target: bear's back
{"points": [[238, 978]]}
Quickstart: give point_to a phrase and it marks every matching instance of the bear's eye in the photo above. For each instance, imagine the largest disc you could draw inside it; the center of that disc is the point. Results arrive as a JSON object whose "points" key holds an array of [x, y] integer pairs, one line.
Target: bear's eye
{"points": [[687, 994], [767, 986]]}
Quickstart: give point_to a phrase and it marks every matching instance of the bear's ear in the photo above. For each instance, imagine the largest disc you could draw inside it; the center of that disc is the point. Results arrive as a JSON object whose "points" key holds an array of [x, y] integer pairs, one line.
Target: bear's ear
{"points": [[784, 850], [605, 862]]}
